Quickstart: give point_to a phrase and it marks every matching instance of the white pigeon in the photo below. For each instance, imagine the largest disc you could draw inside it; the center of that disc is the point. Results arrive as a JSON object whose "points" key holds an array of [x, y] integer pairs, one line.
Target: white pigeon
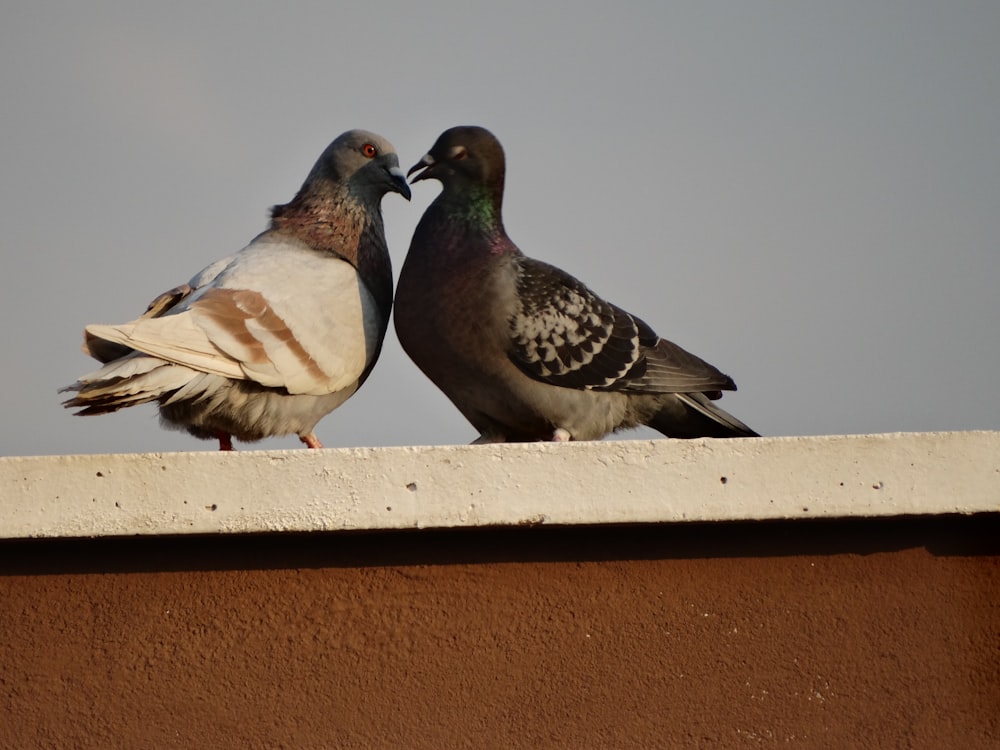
{"points": [[270, 340]]}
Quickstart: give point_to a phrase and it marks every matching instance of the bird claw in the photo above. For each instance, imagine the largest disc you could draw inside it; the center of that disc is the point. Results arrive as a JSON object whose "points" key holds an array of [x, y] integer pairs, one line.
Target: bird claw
{"points": [[561, 435], [311, 440]]}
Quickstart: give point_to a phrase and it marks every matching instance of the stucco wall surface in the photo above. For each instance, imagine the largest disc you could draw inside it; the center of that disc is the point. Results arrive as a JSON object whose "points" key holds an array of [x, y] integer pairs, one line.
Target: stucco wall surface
{"points": [[805, 634]]}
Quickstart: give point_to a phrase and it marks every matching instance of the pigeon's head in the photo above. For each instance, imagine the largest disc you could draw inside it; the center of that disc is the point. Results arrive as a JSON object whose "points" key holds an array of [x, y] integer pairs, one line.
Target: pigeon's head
{"points": [[463, 157], [364, 162]]}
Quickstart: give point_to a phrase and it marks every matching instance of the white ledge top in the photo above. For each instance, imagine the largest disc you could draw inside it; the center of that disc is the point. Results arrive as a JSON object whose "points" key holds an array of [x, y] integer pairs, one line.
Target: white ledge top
{"points": [[641, 481]]}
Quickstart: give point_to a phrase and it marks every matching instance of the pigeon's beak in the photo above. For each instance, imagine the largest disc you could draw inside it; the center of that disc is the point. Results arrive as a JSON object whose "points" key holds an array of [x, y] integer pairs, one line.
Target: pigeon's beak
{"points": [[398, 181], [426, 163]]}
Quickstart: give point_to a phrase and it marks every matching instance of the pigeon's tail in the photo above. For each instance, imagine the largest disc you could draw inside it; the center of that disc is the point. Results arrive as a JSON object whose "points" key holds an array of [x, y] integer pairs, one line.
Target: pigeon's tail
{"points": [[691, 415], [137, 379]]}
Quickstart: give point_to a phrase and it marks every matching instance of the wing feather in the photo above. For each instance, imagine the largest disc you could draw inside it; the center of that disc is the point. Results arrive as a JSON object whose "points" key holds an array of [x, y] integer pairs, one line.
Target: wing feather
{"points": [[563, 334], [279, 338]]}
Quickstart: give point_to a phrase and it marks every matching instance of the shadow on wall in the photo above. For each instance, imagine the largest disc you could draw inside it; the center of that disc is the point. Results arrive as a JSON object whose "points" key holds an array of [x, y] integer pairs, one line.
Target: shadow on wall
{"points": [[941, 535]]}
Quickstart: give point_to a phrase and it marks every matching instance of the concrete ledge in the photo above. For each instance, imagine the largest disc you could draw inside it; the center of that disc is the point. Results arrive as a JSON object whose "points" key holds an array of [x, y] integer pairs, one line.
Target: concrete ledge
{"points": [[653, 481]]}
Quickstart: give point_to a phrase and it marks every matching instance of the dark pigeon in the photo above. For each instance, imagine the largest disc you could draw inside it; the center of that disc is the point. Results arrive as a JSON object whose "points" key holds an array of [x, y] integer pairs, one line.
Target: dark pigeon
{"points": [[524, 350]]}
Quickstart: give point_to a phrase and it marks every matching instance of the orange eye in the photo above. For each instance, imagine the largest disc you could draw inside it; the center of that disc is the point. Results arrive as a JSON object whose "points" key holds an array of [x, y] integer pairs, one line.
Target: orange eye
{"points": [[369, 150]]}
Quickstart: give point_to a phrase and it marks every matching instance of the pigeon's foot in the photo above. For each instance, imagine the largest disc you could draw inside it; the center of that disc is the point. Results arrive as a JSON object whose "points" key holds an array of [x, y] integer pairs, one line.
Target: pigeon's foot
{"points": [[311, 440], [225, 441], [560, 436]]}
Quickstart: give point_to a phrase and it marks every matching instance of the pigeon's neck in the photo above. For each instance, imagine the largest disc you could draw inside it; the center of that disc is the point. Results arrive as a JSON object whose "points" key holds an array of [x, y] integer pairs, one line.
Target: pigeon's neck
{"points": [[476, 210], [375, 266], [329, 223], [342, 227]]}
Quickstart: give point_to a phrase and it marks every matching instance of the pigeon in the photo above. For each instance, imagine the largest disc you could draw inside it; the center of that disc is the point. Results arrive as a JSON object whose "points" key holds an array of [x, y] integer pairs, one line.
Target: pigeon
{"points": [[524, 350], [270, 340]]}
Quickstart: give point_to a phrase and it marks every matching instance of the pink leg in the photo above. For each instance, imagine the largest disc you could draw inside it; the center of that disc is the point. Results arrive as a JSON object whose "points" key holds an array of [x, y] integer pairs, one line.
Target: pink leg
{"points": [[560, 436], [311, 440], [225, 441]]}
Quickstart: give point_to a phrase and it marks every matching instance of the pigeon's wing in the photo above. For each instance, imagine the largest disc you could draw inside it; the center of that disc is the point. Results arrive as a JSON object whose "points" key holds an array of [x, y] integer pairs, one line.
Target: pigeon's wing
{"points": [[167, 301], [564, 334], [241, 334], [105, 351], [671, 369]]}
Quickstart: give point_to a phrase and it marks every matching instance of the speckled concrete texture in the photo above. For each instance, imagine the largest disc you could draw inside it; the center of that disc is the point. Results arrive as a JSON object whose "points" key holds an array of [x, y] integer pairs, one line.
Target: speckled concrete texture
{"points": [[806, 634], [633, 481]]}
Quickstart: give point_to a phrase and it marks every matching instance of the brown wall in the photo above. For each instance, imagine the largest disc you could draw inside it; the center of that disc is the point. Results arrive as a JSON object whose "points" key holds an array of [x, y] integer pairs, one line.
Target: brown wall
{"points": [[804, 634]]}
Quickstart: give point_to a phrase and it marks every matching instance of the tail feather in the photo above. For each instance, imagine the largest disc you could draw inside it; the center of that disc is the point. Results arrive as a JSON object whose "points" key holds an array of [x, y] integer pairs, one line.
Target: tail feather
{"points": [[700, 418], [133, 380]]}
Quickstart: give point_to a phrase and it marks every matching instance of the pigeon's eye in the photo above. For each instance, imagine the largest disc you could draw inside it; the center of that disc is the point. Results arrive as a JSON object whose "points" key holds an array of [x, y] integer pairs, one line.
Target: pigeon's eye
{"points": [[369, 150], [458, 153]]}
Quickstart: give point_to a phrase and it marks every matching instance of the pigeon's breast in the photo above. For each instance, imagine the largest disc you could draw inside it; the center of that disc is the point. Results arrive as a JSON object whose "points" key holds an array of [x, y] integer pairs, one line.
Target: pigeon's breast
{"points": [[322, 301]]}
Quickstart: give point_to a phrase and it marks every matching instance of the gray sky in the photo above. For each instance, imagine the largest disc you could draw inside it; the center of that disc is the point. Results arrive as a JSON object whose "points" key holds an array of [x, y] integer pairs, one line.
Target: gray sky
{"points": [[806, 194]]}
